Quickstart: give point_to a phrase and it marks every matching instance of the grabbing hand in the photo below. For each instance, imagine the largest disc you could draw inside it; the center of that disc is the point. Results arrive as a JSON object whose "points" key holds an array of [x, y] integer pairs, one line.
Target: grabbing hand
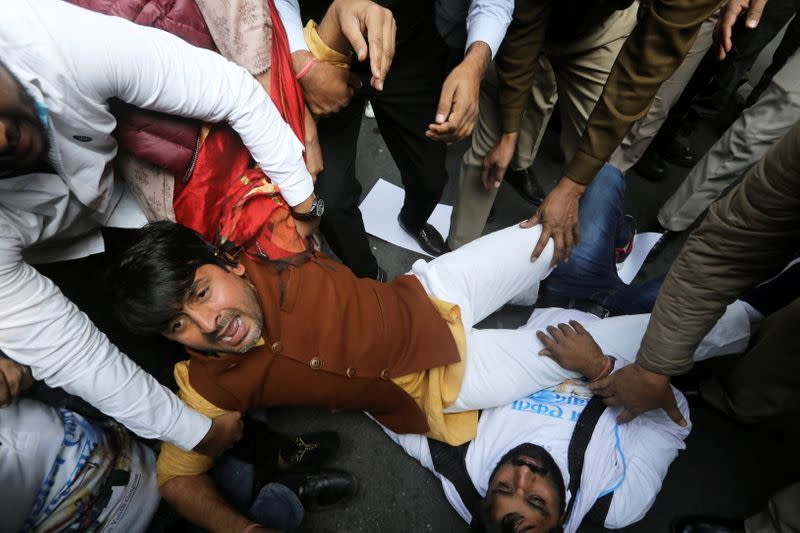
{"points": [[326, 88], [638, 390], [362, 21], [727, 18], [573, 348], [497, 160], [558, 215], [458, 103], [14, 379], [226, 430]]}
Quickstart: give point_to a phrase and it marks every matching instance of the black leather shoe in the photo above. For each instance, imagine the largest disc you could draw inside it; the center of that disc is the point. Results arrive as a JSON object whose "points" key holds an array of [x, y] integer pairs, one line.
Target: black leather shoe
{"points": [[428, 238], [666, 237], [651, 167], [707, 524], [309, 450], [524, 182], [322, 489], [678, 152]]}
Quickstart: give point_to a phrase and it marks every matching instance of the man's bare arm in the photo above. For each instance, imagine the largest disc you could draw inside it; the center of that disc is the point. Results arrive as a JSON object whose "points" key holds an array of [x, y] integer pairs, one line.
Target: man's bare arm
{"points": [[196, 499]]}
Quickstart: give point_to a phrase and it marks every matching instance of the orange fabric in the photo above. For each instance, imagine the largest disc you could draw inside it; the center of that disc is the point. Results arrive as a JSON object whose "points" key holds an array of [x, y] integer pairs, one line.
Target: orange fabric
{"points": [[225, 199]]}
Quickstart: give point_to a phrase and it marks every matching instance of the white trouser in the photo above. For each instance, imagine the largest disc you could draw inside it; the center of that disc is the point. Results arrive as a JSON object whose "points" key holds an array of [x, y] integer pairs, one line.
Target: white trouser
{"points": [[504, 365]]}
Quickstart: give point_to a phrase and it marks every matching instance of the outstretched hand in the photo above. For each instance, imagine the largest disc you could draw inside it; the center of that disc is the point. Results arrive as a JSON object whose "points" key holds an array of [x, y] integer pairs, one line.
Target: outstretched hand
{"points": [[370, 29], [727, 18], [558, 215], [573, 348], [638, 390], [458, 102]]}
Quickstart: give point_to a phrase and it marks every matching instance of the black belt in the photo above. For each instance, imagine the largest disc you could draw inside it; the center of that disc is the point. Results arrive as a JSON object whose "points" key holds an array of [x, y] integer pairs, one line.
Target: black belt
{"points": [[581, 304]]}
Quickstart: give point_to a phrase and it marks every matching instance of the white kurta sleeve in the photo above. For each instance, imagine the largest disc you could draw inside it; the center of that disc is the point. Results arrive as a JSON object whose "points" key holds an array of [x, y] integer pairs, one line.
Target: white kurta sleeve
{"points": [[41, 328], [149, 68], [487, 21], [289, 11]]}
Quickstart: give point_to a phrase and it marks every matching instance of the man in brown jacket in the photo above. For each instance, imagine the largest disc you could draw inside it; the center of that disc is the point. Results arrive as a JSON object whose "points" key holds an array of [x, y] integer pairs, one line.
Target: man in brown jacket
{"points": [[746, 236]]}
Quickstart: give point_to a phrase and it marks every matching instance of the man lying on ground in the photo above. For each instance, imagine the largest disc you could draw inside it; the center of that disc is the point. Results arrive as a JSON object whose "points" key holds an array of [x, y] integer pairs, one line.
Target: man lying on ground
{"points": [[531, 457]]}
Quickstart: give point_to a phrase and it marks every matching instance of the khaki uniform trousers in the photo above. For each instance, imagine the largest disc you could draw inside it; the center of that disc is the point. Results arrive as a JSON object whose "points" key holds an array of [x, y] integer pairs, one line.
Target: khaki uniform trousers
{"points": [[574, 74], [635, 143], [746, 141]]}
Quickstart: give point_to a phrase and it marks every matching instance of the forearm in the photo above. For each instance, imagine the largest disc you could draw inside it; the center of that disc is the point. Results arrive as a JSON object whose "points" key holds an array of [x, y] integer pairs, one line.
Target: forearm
{"points": [[746, 236], [196, 499], [650, 55], [518, 60], [42, 329]]}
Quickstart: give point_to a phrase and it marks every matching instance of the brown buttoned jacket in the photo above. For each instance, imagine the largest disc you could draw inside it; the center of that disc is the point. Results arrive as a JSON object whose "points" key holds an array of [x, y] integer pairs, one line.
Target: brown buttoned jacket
{"points": [[331, 340]]}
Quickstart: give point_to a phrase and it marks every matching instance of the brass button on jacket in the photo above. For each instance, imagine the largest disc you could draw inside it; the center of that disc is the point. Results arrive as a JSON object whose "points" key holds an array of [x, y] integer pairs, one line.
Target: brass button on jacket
{"points": [[315, 363], [277, 347], [350, 372]]}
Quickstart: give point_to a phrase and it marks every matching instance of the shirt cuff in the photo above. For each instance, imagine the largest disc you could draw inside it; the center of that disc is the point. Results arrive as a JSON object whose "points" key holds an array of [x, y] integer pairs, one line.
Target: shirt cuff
{"points": [[189, 429], [583, 168], [297, 187], [487, 34], [320, 50]]}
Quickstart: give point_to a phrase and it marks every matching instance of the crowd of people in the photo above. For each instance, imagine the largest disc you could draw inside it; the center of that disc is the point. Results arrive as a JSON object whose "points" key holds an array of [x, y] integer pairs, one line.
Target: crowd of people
{"points": [[224, 136]]}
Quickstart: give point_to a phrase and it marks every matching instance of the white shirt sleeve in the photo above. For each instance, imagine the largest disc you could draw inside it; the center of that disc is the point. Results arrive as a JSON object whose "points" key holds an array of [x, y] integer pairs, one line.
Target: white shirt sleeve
{"points": [[289, 12], [155, 70], [41, 328], [488, 21]]}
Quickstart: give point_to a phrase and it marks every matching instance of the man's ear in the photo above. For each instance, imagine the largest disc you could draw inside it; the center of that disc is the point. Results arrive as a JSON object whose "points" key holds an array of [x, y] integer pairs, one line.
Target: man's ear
{"points": [[237, 269]]}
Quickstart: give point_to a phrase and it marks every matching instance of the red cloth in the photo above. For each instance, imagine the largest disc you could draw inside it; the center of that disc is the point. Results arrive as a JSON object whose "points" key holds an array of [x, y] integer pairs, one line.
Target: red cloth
{"points": [[225, 199]]}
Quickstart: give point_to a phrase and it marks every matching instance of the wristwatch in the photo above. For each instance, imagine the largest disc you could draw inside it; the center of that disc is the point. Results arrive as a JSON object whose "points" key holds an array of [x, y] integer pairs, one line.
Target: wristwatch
{"points": [[317, 208]]}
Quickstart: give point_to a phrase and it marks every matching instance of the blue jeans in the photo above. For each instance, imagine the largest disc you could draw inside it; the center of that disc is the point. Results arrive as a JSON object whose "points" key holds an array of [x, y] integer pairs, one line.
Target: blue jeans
{"points": [[275, 506], [591, 273]]}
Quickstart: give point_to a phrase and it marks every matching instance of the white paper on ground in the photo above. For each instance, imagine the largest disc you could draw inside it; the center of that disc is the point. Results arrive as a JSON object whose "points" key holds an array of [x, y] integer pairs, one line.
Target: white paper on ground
{"points": [[642, 244], [381, 207]]}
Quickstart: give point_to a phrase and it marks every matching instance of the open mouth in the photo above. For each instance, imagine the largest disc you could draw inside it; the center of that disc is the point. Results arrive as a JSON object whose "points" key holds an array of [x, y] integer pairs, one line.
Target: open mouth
{"points": [[234, 332]]}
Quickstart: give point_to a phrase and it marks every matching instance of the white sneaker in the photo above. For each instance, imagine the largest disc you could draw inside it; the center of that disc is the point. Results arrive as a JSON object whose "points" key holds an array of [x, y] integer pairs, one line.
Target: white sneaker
{"points": [[368, 112]]}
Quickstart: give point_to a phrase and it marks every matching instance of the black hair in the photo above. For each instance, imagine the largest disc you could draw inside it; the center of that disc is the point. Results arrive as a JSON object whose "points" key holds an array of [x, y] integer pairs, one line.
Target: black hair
{"points": [[482, 518], [150, 280]]}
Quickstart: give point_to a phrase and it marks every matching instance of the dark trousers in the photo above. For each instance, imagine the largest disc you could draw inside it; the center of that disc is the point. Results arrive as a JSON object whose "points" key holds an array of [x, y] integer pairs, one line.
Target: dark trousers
{"points": [[403, 111]]}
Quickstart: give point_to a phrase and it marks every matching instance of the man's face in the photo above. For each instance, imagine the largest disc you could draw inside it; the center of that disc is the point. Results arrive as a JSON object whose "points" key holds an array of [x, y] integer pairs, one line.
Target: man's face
{"points": [[23, 142], [522, 494], [221, 313]]}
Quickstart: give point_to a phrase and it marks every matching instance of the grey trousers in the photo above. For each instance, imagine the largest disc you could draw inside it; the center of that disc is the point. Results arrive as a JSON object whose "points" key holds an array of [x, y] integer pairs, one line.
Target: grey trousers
{"points": [[742, 146]]}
